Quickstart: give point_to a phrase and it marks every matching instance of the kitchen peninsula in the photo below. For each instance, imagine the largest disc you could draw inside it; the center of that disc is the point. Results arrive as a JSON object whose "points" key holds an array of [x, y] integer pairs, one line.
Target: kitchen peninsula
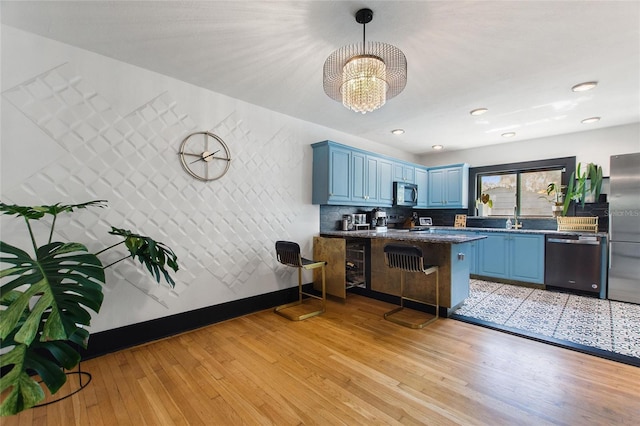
{"points": [[450, 251]]}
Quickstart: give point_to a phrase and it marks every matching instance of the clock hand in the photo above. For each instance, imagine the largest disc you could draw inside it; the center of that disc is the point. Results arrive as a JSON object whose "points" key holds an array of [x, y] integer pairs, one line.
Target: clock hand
{"points": [[204, 158]]}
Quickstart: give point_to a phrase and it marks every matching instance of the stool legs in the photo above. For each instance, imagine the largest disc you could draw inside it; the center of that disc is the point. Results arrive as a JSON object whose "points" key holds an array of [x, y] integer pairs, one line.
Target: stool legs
{"points": [[415, 323], [297, 316]]}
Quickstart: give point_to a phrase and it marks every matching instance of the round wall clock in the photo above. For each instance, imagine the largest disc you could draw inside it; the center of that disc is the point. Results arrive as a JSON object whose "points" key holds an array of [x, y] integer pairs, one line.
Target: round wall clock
{"points": [[204, 156]]}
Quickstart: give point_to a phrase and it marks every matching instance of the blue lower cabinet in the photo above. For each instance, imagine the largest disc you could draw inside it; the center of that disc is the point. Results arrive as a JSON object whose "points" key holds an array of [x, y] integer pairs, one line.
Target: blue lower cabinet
{"points": [[473, 257], [518, 257], [527, 258], [493, 256]]}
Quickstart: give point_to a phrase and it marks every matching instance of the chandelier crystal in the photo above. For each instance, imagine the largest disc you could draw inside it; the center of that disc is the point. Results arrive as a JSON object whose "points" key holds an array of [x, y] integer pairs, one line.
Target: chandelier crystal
{"points": [[364, 86], [364, 76]]}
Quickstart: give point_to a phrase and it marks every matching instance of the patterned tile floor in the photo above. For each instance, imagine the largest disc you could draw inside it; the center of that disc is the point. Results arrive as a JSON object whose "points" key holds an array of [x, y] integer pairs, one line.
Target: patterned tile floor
{"points": [[561, 317]]}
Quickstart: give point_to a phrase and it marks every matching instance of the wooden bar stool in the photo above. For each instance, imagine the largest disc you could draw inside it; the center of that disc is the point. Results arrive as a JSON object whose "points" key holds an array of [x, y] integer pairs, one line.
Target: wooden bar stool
{"points": [[288, 253], [409, 259]]}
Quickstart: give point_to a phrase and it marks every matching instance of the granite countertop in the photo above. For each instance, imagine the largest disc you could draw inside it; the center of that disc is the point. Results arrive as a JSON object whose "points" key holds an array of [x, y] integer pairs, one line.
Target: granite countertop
{"points": [[519, 231], [440, 234], [405, 235]]}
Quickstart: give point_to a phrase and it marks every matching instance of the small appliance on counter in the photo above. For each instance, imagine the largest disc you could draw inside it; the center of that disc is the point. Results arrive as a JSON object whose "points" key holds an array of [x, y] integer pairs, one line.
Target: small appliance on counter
{"points": [[379, 220], [425, 221], [360, 221], [347, 222], [354, 222]]}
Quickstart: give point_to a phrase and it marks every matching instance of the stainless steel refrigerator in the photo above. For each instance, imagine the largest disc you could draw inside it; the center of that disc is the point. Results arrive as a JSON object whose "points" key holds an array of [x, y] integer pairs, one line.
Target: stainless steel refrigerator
{"points": [[624, 228]]}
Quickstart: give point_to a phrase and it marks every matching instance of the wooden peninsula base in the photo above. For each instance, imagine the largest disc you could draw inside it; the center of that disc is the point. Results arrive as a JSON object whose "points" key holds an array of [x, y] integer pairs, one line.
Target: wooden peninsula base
{"points": [[449, 251]]}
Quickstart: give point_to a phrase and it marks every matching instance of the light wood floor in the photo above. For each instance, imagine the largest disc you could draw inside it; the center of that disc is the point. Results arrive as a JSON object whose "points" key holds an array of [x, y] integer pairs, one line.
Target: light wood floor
{"points": [[347, 366]]}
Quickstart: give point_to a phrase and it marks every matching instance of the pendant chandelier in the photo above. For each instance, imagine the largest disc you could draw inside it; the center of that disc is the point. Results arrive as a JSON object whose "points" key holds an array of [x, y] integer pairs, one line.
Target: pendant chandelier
{"points": [[363, 76]]}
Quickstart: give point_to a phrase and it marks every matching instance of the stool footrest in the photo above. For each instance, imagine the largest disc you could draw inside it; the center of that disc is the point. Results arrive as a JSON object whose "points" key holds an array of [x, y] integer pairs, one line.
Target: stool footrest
{"points": [[297, 316], [415, 323]]}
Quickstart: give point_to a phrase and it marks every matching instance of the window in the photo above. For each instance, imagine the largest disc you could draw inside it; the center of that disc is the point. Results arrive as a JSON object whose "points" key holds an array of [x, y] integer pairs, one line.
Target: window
{"points": [[519, 185]]}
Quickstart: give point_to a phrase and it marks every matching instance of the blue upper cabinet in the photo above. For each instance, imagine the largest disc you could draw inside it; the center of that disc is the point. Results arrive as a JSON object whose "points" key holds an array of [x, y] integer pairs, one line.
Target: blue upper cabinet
{"points": [[348, 176], [331, 174], [365, 179], [385, 182], [404, 172], [422, 179], [448, 187]]}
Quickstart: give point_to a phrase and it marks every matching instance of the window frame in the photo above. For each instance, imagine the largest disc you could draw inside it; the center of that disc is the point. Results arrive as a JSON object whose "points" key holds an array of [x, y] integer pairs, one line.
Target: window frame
{"points": [[568, 164]]}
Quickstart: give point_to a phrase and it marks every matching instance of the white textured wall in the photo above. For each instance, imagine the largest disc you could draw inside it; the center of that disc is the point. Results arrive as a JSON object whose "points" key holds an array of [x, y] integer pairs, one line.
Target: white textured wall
{"points": [[76, 126], [594, 146]]}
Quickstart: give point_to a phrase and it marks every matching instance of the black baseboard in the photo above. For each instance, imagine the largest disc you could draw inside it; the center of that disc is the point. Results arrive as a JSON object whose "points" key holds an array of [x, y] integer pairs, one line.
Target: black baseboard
{"points": [[108, 341]]}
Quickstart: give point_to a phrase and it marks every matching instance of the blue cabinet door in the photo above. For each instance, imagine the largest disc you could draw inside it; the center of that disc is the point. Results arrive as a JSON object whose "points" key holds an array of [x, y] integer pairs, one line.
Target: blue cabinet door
{"points": [[473, 257], [453, 187], [518, 257], [448, 187], [403, 172], [422, 182], [366, 178], [493, 256], [339, 175], [527, 258], [435, 193], [358, 177], [385, 182], [331, 174], [371, 186]]}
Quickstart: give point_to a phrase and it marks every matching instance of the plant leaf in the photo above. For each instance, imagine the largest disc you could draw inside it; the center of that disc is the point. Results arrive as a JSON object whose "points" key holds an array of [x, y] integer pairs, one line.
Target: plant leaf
{"points": [[153, 254], [37, 212], [46, 301]]}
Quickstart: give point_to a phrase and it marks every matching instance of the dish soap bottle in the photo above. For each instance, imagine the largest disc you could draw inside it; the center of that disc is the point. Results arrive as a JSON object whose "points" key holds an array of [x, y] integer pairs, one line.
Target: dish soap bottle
{"points": [[508, 224]]}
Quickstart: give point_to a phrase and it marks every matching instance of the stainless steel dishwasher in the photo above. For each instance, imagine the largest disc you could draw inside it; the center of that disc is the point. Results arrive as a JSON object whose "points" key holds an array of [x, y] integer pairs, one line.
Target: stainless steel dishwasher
{"points": [[573, 262]]}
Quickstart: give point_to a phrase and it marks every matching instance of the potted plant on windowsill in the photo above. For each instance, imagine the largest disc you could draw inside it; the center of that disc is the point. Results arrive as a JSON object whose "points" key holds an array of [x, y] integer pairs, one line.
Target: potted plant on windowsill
{"points": [[585, 183], [555, 190], [484, 204], [46, 301]]}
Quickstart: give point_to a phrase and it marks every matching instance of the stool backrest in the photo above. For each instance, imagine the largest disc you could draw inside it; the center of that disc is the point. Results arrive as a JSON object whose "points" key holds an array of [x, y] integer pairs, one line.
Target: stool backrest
{"points": [[407, 258], [288, 253]]}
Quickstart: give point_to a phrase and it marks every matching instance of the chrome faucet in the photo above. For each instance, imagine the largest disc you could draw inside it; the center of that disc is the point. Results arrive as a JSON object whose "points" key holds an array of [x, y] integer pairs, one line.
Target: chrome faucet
{"points": [[516, 225]]}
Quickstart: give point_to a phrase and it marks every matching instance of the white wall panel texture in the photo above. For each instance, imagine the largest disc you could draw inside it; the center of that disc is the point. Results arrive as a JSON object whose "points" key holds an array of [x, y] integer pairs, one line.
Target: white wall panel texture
{"points": [[101, 129]]}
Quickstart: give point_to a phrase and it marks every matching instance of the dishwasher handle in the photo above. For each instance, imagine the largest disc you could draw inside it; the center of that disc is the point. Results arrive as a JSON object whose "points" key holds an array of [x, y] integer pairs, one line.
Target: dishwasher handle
{"points": [[592, 242]]}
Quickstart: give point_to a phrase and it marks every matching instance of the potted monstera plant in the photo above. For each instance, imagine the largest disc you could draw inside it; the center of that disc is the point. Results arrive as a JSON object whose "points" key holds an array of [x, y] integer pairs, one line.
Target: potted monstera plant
{"points": [[46, 298]]}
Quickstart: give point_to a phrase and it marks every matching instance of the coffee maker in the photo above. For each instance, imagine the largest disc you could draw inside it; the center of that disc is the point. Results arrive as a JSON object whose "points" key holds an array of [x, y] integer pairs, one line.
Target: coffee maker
{"points": [[379, 220]]}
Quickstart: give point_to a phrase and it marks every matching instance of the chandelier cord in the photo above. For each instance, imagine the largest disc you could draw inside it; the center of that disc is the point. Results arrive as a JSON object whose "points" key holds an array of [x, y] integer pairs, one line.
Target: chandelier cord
{"points": [[364, 44]]}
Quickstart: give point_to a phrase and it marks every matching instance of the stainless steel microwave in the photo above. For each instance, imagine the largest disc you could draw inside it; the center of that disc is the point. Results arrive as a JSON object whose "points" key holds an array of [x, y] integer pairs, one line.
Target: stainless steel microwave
{"points": [[405, 194]]}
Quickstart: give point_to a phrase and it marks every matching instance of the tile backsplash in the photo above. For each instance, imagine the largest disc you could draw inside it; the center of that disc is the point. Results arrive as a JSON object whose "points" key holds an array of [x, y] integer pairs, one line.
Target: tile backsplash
{"points": [[331, 217]]}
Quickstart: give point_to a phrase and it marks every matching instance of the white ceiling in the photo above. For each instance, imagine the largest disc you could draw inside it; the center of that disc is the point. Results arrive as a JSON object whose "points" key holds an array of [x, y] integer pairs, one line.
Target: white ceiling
{"points": [[519, 59]]}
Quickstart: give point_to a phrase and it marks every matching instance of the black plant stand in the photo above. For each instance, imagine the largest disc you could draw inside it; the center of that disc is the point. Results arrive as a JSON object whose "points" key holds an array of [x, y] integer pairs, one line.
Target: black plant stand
{"points": [[80, 374]]}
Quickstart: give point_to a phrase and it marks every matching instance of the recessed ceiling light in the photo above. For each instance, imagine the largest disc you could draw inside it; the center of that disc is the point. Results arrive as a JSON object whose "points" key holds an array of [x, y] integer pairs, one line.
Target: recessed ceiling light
{"points": [[437, 147], [508, 135], [590, 120], [583, 87], [397, 131], [478, 111]]}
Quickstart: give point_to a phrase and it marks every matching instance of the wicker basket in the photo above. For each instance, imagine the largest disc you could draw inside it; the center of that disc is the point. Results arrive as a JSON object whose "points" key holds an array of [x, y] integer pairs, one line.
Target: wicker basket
{"points": [[588, 224]]}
